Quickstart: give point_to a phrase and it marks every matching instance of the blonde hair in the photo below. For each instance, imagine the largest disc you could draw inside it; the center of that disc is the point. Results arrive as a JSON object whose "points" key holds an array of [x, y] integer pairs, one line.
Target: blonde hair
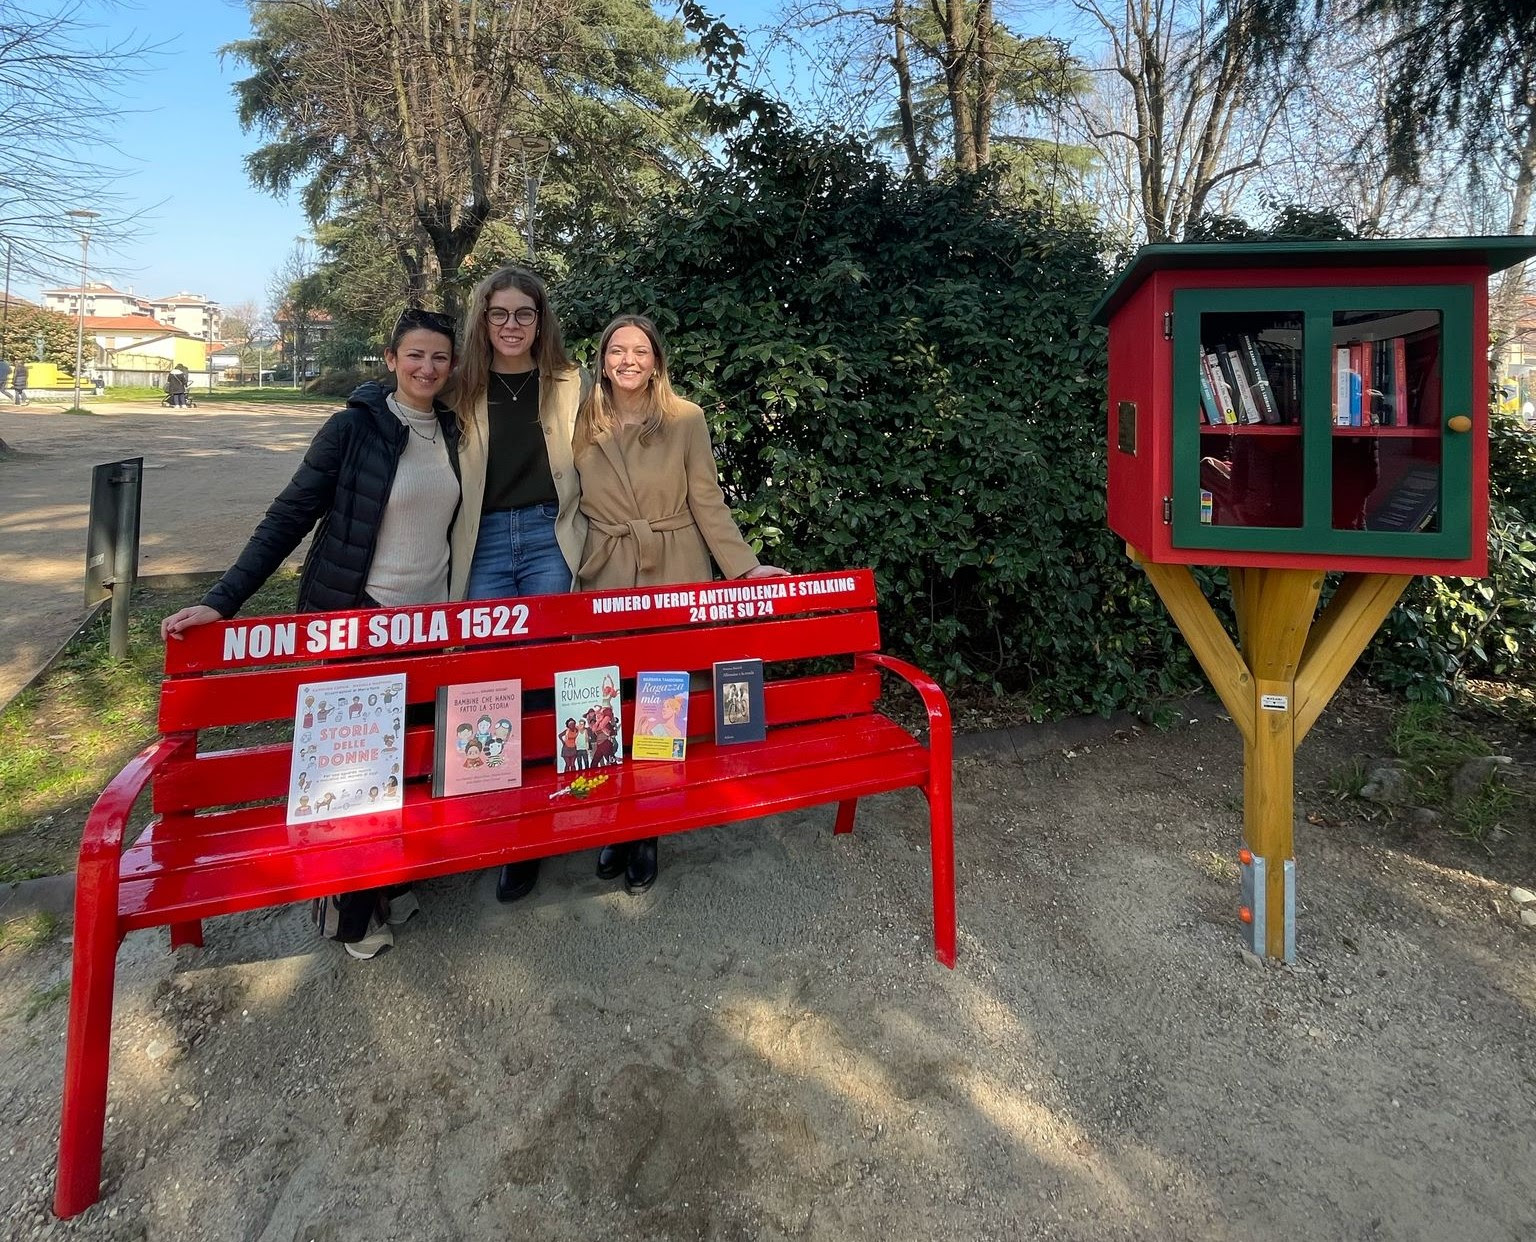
{"points": [[548, 351], [597, 415]]}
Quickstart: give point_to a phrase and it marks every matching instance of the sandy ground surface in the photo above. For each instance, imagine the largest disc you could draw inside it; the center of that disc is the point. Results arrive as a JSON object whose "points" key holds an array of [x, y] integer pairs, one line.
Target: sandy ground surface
{"points": [[209, 473], [764, 1048]]}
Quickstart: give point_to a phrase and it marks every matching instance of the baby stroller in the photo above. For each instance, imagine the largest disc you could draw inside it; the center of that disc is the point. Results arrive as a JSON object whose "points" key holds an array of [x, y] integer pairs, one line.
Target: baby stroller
{"points": [[186, 401]]}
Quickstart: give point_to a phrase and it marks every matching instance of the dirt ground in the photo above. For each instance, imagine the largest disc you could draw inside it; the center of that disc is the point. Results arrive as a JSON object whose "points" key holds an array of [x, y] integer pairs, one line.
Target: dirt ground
{"points": [[209, 474], [764, 1048]]}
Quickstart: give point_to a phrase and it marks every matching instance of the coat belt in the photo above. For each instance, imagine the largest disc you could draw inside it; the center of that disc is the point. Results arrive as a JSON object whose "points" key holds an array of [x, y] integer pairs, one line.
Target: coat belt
{"points": [[644, 533]]}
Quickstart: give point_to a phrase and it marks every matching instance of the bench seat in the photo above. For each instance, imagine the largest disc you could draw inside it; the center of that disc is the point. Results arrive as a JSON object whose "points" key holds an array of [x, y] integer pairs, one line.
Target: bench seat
{"points": [[219, 841]]}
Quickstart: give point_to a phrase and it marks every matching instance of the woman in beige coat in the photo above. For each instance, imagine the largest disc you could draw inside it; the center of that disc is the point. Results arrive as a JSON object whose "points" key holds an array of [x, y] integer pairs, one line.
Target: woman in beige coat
{"points": [[519, 530], [651, 497]]}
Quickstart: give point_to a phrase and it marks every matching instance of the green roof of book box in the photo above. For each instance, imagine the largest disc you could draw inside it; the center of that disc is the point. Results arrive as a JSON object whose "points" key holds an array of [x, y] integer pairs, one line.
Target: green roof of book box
{"points": [[1496, 252]]}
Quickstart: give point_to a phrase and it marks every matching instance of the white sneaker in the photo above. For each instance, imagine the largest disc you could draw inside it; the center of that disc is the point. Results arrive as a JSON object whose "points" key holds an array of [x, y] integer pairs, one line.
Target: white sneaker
{"points": [[402, 909], [378, 939]]}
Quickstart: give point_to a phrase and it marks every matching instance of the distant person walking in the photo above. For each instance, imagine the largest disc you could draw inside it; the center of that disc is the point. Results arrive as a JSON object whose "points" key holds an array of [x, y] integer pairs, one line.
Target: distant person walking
{"points": [[176, 385], [5, 374], [19, 383]]}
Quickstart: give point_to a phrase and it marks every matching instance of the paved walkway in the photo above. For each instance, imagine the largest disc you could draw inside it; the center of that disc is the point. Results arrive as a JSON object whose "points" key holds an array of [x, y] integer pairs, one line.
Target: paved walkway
{"points": [[208, 475]]}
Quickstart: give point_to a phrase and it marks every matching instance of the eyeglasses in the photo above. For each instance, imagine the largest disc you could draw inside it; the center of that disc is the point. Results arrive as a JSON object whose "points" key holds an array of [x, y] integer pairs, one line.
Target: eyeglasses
{"points": [[525, 316]]}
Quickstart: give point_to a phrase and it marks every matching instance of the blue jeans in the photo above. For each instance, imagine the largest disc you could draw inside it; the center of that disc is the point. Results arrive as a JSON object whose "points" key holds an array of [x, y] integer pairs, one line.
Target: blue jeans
{"points": [[516, 554]]}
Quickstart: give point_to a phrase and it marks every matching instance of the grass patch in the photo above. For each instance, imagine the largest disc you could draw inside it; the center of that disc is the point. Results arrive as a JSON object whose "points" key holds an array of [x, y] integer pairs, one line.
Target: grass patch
{"points": [[1498, 805], [1433, 743], [294, 396], [1429, 736], [133, 392], [1348, 781], [80, 409], [62, 741], [29, 932], [44, 999], [219, 396]]}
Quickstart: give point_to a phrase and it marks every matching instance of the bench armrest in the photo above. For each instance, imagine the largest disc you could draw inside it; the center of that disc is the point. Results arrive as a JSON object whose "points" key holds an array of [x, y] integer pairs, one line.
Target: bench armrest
{"points": [[103, 836], [940, 732]]}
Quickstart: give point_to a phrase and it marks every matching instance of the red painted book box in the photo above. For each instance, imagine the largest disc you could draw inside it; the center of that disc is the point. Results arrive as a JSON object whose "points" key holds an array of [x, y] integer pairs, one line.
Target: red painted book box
{"points": [[1304, 404]]}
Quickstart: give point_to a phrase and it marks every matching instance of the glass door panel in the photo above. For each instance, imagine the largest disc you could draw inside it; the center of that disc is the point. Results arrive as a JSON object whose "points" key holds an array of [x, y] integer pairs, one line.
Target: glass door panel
{"points": [[1387, 409], [1249, 370], [1322, 420]]}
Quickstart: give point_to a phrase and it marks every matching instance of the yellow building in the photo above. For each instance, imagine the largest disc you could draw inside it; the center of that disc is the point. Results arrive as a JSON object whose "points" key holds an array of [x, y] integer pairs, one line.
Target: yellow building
{"points": [[135, 349]]}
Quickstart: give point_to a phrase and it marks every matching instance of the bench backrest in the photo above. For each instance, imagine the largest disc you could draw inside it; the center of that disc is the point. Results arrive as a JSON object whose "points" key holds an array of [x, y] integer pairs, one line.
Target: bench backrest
{"points": [[247, 672]]}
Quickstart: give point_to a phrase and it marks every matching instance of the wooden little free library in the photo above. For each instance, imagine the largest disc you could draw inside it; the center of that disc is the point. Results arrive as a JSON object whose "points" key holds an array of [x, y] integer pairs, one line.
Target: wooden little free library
{"points": [[1287, 410], [219, 841]]}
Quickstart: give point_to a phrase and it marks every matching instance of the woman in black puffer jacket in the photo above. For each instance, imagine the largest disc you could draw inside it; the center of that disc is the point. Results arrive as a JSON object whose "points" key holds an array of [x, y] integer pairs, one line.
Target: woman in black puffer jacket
{"points": [[379, 486]]}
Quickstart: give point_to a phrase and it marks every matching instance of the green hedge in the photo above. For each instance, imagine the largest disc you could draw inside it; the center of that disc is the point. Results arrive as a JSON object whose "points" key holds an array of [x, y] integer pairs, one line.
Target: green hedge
{"points": [[903, 376], [1448, 629]]}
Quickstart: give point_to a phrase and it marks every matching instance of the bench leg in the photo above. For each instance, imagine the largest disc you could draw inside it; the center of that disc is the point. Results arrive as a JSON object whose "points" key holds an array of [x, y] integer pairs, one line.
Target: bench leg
{"points": [[941, 834], [187, 933], [845, 812], [89, 1044]]}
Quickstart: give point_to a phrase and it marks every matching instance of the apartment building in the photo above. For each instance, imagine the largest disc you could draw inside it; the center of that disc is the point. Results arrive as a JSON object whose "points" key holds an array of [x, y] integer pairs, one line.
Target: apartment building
{"points": [[100, 300], [191, 313]]}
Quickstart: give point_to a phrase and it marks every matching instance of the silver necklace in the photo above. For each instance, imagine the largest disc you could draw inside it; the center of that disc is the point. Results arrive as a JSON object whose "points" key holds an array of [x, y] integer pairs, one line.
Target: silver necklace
{"points": [[528, 378]]}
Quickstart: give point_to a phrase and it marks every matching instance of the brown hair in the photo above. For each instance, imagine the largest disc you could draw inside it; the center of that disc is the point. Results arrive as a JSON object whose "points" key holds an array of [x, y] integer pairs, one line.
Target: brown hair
{"points": [[597, 413], [548, 349]]}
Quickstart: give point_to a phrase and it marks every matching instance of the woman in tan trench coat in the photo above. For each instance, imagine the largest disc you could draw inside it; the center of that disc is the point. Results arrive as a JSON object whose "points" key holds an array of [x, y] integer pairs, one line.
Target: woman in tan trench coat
{"points": [[652, 500]]}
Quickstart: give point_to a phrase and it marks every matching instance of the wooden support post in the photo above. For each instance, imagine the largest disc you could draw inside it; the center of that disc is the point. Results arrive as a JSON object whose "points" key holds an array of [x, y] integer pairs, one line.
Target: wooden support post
{"points": [[1275, 686], [1280, 604]]}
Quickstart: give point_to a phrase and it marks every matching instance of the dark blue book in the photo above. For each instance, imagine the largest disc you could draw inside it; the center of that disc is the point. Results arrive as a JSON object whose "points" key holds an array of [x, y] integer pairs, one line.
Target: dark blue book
{"points": [[739, 702]]}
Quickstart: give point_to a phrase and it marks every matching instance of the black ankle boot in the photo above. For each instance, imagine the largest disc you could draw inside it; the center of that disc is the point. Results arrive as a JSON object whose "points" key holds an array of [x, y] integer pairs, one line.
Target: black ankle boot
{"points": [[641, 872], [516, 880], [612, 861]]}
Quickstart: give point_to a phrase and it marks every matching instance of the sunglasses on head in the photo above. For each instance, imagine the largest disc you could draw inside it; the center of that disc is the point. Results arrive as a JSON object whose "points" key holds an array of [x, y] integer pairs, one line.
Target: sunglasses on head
{"points": [[415, 317]]}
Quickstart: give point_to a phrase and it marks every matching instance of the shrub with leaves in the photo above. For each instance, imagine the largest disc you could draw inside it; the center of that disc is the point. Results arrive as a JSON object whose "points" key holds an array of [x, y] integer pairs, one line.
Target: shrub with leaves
{"points": [[1446, 629], [903, 376]]}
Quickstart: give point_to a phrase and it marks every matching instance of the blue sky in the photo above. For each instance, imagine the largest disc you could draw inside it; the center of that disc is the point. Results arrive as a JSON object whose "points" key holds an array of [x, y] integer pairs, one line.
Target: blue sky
{"points": [[205, 228]]}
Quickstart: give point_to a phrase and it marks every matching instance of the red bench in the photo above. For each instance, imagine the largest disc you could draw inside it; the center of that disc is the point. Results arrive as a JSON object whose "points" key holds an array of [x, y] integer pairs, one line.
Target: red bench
{"points": [[209, 851]]}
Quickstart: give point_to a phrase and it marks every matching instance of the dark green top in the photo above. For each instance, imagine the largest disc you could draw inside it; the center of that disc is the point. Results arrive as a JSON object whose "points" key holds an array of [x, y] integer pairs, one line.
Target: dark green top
{"points": [[1496, 253]]}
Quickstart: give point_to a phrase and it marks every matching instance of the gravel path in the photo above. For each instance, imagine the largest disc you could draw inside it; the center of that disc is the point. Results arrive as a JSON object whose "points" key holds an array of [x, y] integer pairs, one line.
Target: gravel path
{"points": [[209, 473], [764, 1048]]}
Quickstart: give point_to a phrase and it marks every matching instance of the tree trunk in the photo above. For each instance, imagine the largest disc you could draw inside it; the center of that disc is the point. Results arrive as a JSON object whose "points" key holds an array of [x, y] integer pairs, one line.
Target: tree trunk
{"points": [[1504, 309], [957, 58], [986, 83], [917, 163]]}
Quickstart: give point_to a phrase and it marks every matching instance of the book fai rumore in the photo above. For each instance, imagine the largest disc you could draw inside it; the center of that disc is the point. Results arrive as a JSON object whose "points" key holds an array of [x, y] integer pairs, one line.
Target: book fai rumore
{"points": [[348, 746], [589, 725], [661, 716], [478, 744]]}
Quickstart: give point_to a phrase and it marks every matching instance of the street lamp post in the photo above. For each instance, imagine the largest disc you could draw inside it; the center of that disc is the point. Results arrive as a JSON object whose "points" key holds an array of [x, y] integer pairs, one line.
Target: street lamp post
{"points": [[5, 311], [82, 219]]}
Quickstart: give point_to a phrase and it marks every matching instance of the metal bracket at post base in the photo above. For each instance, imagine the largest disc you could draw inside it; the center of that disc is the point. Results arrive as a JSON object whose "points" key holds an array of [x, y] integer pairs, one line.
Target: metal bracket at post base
{"points": [[1254, 910]]}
